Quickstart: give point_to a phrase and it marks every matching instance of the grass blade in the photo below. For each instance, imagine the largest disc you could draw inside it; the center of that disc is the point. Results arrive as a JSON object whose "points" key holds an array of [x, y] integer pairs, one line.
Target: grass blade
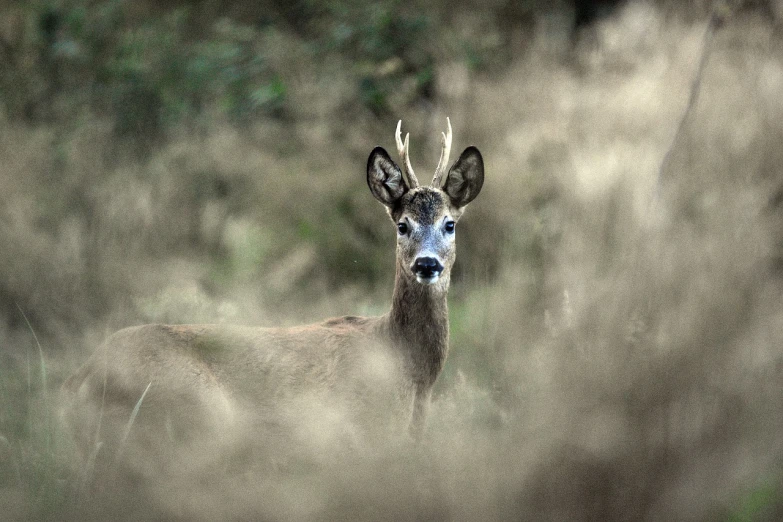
{"points": [[131, 421], [44, 390]]}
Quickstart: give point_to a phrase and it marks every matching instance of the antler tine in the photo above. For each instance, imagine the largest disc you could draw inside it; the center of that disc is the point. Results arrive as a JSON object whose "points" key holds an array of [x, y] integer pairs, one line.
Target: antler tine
{"points": [[414, 181], [398, 138], [402, 149], [443, 163]]}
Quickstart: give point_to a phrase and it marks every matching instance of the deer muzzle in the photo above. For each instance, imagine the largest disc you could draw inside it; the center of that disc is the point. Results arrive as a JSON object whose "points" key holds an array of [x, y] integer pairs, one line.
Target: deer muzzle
{"points": [[427, 269]]}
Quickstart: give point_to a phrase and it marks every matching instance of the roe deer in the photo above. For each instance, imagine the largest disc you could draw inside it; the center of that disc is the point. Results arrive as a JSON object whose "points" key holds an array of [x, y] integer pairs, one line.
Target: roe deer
{"points": [[161, 381]]}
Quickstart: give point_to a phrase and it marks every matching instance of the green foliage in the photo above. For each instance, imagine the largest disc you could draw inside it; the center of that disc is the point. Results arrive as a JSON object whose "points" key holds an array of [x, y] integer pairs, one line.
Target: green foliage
{"points": [[157, 67], [151, 73], [757, 504], [388, 49], [148, 74]]}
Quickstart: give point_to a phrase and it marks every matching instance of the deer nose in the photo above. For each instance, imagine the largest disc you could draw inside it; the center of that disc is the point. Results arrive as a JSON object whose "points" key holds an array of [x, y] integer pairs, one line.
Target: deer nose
{"points": [[427, 267]]}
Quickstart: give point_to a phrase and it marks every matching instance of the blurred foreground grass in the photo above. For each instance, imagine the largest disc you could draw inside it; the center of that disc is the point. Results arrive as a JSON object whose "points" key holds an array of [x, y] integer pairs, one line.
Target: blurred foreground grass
{"points": [[614, 356]]}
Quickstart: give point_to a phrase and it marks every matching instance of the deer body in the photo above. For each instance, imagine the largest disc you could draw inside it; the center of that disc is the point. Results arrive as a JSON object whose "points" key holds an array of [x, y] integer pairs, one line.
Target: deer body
{"points": [[375, 370]]}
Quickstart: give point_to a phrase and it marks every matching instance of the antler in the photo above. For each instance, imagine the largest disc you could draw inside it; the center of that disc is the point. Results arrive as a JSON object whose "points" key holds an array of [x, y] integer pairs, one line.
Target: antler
{"points": [[443, 163], [407, 169]]}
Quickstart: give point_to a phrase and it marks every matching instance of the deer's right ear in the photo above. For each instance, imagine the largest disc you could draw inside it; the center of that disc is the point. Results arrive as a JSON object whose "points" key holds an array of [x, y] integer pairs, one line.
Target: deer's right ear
{"points": [[384, 178]]}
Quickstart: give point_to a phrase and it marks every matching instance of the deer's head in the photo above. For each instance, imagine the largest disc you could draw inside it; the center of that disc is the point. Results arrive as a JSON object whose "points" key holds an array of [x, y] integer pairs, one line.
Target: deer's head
{"points": [[425, 216]]}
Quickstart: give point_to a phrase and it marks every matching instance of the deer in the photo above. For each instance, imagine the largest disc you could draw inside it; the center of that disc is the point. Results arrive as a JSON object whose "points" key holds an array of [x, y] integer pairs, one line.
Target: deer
{"points": [[157, 381]]}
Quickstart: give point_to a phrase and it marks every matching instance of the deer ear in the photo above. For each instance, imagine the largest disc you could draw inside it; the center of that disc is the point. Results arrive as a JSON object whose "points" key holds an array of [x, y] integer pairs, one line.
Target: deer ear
{"points": [[384, 178], [465, 178]]}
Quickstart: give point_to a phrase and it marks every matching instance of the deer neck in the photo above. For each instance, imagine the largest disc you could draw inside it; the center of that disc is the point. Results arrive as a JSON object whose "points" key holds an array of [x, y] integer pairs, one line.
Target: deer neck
{"points": [[419, 323]]}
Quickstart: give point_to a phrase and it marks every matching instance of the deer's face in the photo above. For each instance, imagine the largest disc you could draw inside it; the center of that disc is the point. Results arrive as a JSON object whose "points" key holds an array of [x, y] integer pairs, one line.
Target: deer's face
{"points": [[426, 226], [425, 217]]}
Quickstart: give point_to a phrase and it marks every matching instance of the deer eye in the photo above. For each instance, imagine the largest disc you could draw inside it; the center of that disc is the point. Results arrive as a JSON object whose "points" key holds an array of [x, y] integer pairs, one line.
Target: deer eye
{"points": [[402, 228], [449, 227]]}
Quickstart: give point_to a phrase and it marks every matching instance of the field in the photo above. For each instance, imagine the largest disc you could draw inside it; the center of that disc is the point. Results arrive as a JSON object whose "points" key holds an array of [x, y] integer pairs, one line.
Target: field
{"points": [[616, 313]]}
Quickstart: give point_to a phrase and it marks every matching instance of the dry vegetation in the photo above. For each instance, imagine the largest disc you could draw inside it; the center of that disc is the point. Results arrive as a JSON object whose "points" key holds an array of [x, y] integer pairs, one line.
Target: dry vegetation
{"points": [[616, 332]]}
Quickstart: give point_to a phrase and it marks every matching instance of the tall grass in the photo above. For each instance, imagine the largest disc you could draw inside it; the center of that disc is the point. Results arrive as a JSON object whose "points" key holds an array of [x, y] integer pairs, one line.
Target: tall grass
{"points": [[33, 471]]}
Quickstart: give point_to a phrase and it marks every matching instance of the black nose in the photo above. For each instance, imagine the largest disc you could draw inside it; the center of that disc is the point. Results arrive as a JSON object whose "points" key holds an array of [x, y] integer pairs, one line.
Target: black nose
{"points": [[427, 267]]}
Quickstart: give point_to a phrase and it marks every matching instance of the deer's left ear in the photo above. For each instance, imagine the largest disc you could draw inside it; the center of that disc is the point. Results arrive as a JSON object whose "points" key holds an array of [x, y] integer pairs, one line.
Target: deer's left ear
{"points": [[384, 178], [465, 178]]}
